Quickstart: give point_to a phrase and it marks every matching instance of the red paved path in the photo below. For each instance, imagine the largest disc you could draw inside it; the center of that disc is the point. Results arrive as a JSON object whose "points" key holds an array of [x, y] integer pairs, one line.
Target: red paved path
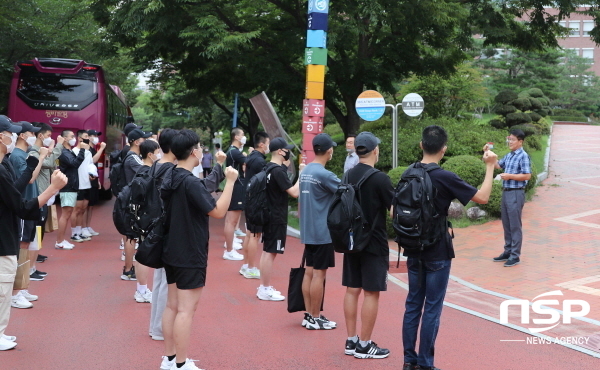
{"points": [[86, 317]]}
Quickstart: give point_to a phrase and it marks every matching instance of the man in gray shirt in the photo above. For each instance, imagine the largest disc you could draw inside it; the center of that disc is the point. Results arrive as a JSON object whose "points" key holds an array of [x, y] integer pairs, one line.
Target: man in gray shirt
{"points": [[352, 158], [317, 188]]}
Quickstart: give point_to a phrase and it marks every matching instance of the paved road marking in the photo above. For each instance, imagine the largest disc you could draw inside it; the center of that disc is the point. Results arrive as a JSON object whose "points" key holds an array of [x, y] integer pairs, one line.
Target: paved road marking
{"points": [[572, 218], [579, 285]]}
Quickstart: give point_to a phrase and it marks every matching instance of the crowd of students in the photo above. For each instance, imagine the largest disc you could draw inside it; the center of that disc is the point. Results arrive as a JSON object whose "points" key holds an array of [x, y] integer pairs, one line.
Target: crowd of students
{"points": [[29, 182]]}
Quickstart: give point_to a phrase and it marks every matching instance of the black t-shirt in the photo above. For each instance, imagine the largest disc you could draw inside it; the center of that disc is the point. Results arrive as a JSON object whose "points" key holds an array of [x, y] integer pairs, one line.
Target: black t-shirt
{"points": [[376, 198], [236, 159], [277, 184], [187, 203], [449, 186], [255, 162]]}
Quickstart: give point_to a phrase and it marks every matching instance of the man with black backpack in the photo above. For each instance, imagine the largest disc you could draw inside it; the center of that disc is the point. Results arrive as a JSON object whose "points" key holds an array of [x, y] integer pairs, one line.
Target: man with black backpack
{"points": [[429, 263], [367, 270]]}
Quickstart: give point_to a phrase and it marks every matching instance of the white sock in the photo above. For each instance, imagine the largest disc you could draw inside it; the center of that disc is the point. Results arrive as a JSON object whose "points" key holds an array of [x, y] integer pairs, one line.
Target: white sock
{"points": [[78, 229], [245, 266], [141, 288], [354, 338], [364, 343], [73, 231], [31, 270]]}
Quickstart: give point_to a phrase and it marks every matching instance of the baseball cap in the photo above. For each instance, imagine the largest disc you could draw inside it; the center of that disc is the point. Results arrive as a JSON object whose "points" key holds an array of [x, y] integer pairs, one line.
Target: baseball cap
{"points": [[28, 127], [94, 132], [6, 124], [365, 142], [136, 133], [128, 127], [322, 142], [279, 143]]}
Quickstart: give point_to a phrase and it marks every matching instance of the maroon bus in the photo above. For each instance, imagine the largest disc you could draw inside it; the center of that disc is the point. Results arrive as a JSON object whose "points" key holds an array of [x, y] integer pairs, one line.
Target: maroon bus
{"points": [[70, 94]]}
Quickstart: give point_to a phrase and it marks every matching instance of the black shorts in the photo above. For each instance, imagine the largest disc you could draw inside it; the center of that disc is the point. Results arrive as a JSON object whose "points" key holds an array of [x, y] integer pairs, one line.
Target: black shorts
{"points": [[237, 198], [94, 195], [28, 229], [186, 278], [254, 229], [319, 256], [366, 270], [83, 194], [274, 237]]}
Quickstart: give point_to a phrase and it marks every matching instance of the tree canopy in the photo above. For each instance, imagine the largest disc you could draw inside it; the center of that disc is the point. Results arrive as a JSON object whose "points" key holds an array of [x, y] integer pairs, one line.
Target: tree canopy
{"points": [[222, 47]]}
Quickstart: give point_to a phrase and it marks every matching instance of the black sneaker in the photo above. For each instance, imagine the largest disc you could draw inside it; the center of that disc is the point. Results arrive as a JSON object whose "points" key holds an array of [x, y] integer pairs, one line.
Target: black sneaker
{"points": [[370, 351], [503, 257], [350, 347], [307, 316], [76, 238], [318, 324], [427, 368], [410, 366], [42, 273], [85, 238], [128, 275], [41, 258], [36, 277], [333, 324], [512, 262]]}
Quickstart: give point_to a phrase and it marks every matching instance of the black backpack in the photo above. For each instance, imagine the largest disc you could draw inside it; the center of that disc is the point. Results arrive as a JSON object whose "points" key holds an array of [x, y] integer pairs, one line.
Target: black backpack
{"points": [[416, 221], [350, 231], [257, 206], [122, 217], [116, 174]]}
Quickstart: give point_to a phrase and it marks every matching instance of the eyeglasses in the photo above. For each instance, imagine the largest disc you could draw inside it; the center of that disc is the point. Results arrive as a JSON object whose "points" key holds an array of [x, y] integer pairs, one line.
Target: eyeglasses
{"points": [[512, 140]]}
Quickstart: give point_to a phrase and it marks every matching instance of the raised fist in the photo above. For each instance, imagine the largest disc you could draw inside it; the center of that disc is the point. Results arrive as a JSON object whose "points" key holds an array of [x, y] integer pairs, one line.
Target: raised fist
{"points": [[43, 152], [102, 145], [231, 174], [58, 180], [220, 157]]}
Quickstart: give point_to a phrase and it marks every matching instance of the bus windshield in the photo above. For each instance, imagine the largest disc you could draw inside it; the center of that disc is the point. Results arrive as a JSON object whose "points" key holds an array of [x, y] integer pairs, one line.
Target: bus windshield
{"points": [[73, 90]]}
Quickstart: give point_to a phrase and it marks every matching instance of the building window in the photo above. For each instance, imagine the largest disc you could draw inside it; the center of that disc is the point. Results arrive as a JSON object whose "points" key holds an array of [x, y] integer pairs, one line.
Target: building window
{"points": [[574, 28], [588, 54], [587, 27]]}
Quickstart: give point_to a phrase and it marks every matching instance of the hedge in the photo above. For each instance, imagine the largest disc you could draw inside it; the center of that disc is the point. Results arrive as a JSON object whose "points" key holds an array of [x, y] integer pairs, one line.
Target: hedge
{"points": [[469, 168], [493, 206], [569, 118]]}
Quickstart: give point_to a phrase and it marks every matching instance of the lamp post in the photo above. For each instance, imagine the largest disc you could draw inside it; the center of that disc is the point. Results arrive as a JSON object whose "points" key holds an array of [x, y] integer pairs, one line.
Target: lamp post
{"points": [[218, 139]]}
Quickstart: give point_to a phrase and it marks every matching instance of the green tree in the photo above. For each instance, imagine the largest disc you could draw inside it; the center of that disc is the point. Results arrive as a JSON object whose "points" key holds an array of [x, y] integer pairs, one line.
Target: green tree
{"points": [[451, 95], [222, 47], [578, 86]]}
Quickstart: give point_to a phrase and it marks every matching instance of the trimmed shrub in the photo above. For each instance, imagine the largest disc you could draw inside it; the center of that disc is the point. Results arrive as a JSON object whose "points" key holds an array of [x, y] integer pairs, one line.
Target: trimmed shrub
{"points": [[568, 112], [532, 143], [467, 167], [534, 116], [522, 104], [505, 109], [533, 180], [535, 93], [528, 129], [524, 95], [493, 206], [505, 96], [513, 119], [542, 112], [544, 101], [497, 123], [535, 104], [395, 175], [569, 118], [336, 164]]}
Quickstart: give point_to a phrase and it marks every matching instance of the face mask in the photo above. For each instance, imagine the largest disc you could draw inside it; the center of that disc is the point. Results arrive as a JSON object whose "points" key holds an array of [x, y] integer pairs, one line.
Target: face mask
{"points": [[72, 142], [350, 151], [243, 140], [95, 140], [267, 151], [287, 155], [47, 141], [10, 147], [30, 140], [158, 156]]}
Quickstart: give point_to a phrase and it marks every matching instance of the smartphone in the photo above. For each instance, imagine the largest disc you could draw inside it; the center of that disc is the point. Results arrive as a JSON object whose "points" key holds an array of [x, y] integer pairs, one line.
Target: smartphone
{"points": [[86, 141]]}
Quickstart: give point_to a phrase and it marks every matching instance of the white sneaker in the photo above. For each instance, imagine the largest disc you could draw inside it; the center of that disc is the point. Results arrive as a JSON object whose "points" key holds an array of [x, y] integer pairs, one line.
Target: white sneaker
{"points": [[143, 298], [28, 296], [252, 273], [237, 246], [232, 256], [122, 246], [239, 232], [166, 364], [10, 338], [189, 365], [19, 301], [244, 270], [269, 294], [64, 245], [92, 232], [8, 344], [85, 233], [237, 240]]}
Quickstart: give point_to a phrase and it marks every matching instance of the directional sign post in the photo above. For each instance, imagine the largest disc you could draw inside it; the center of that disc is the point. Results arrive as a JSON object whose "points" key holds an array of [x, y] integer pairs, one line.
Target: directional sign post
{"points": [[413, 104], [370, 105]]}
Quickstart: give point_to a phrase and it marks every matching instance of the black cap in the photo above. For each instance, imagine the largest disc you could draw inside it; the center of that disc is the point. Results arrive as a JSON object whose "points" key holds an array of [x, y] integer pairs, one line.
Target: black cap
{"points": [[94, 132], [365, 142], [279, 143], [28, 127], [130, 126], [6, 124], [136, 133], [322, 143]]}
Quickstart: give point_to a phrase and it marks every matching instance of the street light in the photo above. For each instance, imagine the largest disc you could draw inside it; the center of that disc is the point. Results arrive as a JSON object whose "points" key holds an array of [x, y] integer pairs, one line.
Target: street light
{"points": [[218, 139]]}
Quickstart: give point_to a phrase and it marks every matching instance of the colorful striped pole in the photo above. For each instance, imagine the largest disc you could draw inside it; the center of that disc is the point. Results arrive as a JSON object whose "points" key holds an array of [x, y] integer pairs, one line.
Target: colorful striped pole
{"points": [[315, 59]]}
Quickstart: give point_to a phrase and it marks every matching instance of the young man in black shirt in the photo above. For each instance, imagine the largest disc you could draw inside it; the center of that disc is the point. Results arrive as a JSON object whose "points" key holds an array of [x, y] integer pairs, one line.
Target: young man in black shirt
{"points": [[279, 187], [235, 159], [425, 298], [254, 164], [366, 271], [185, 251]]}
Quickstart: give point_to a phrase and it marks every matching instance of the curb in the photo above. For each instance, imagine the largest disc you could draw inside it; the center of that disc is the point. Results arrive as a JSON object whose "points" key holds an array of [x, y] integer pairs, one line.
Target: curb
{"points": [[544, 175]]}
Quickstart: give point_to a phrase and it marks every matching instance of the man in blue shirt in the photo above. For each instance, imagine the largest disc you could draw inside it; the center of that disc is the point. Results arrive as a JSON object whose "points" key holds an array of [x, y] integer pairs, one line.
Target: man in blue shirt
{"points": [[317, 189], [517, 172]]}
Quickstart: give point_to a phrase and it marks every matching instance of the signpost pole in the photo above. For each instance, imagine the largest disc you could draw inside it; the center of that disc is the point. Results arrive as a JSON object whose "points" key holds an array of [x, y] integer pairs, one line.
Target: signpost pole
{"points": [[394, 134]]}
